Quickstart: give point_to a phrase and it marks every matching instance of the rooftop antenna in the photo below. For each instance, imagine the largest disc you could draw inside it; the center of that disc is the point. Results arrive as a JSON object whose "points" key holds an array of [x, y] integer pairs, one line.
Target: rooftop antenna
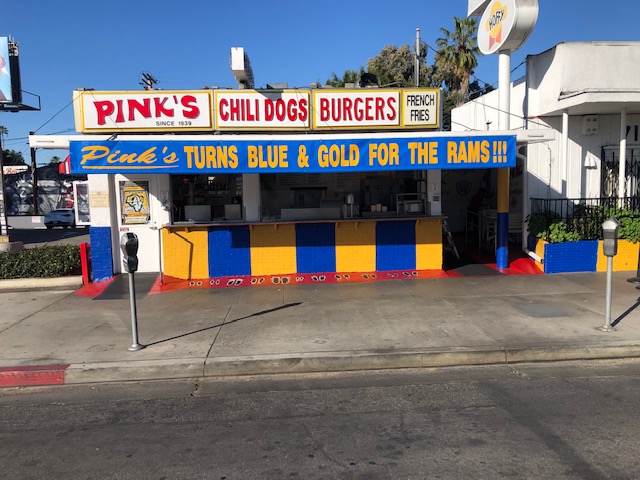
{"points": [[148, 81]]}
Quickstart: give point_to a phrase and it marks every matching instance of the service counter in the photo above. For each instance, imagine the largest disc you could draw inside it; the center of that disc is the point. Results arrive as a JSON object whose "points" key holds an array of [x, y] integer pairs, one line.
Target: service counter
{"points": [[288, 251]]}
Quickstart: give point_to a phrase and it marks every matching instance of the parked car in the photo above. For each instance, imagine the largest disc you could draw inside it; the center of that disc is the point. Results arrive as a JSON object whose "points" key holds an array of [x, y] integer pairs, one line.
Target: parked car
{"points": [[63, 217]]}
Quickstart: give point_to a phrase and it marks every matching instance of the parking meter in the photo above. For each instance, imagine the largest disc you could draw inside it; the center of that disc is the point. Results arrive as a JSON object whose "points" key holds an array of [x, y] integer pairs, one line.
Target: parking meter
{"points": [[129, 247], [610, 248], [610, 237]]}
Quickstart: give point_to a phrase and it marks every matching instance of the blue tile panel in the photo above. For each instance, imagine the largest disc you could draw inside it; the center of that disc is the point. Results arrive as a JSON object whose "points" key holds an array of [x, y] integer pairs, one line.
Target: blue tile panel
{"points": [[229, 251], [101, 254], [396, 245], [566, 257], [316, 247]]}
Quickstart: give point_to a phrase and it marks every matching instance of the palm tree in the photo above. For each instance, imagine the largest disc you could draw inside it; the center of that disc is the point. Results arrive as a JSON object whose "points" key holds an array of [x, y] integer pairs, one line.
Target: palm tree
{"points": [[3, 132], [457, 56]]}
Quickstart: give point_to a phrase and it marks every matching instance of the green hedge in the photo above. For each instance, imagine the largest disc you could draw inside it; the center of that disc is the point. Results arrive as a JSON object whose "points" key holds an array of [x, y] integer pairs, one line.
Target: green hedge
{"points": [[49, 261], [585, 224]]}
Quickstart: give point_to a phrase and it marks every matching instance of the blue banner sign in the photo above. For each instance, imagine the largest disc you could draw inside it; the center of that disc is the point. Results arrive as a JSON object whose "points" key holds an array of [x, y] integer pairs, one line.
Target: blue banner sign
{"points": [[273, 155]]}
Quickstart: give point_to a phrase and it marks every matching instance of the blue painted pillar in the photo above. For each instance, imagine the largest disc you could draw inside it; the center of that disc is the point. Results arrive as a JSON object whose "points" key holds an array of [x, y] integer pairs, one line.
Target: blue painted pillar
{"points": [[502, 227]]}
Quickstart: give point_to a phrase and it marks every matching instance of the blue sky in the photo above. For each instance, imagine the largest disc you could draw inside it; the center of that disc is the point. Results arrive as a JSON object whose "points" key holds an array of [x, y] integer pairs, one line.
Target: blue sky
{"points": [[107, 44]]}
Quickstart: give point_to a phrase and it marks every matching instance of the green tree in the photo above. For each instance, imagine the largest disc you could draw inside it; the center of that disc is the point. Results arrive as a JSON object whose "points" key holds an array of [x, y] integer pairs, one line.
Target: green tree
{"points": [[11, 157], [457, 56], [349, 76], [55, 160], [395, 66]]}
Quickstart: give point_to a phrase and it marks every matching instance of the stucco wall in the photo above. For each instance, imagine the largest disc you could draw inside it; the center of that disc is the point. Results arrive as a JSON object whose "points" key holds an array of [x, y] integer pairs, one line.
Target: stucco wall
{"points": [[549, 74]]}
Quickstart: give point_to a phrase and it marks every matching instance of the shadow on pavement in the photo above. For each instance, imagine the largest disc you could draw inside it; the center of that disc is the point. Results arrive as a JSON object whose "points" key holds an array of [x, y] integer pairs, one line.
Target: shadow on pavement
{"points": [[263, 312]]}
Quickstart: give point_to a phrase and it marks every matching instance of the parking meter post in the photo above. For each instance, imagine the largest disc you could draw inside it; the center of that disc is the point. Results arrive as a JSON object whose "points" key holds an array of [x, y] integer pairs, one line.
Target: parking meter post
{"points": [[129, 247], [607, 306], [134, 314], [610, 249]]}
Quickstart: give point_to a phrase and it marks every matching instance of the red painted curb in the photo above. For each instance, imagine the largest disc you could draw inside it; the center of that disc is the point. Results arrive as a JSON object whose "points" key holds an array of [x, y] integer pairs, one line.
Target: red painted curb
{"points": [[32, 375], [94, 289]]}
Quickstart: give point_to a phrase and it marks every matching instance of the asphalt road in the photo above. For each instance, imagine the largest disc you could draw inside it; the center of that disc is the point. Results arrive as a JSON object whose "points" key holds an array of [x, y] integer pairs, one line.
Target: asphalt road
{"points": [[560, 421], [55, 236]]}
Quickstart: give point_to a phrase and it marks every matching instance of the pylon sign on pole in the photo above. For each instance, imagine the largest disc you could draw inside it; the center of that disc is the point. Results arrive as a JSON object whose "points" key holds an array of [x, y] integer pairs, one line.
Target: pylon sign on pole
{"points": [[505, 24]]}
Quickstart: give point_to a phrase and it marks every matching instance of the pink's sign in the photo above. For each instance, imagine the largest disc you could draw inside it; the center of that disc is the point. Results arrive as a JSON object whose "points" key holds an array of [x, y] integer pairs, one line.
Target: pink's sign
{"points": [[143, 111]]}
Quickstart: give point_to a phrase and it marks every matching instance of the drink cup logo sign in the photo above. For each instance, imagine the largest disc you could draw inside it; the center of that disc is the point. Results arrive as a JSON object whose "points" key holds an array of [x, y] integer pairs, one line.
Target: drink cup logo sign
{"points": [[494, 23], [506, 25]]}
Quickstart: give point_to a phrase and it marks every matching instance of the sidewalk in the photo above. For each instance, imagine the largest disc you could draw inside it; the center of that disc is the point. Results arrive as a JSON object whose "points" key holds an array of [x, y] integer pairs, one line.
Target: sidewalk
{"points": [[54, 337]]}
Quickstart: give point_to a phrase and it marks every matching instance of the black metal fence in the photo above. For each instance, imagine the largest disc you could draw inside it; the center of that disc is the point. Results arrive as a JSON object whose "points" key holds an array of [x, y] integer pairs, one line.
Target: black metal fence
{"points": [[582, 215]]}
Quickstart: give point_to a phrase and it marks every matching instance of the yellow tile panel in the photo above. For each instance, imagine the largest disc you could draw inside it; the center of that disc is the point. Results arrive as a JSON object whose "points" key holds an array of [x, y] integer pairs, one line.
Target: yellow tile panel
{"points": [[626, 258], [185, 253], [429, 244], [540, 247], [355, 246], [273, 249]]}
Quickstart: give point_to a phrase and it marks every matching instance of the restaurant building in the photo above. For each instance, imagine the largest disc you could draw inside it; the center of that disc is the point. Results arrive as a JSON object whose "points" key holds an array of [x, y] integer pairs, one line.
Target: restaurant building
{"points": [[255, 187]]}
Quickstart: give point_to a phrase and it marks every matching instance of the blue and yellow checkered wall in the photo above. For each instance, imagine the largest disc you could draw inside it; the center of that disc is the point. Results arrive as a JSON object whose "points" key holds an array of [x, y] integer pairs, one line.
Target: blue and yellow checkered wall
{"points": [[285, 248]]}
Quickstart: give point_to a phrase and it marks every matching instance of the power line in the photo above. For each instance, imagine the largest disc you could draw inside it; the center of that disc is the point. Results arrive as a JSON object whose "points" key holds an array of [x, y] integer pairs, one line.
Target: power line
{"points": [[58, 113], [465, 126]]}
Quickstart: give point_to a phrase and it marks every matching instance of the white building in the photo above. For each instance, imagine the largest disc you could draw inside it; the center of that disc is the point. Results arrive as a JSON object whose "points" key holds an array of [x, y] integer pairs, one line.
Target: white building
{"points": [[588, 94]]}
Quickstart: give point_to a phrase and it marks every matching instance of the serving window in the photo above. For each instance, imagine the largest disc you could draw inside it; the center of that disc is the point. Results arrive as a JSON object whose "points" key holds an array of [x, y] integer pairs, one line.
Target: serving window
{"points": [[315, 196], [204, 198]]}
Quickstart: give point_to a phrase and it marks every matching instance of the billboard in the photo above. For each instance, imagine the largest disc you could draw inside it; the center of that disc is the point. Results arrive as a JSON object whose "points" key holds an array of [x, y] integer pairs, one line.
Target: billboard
{"points": [[6, 95]]}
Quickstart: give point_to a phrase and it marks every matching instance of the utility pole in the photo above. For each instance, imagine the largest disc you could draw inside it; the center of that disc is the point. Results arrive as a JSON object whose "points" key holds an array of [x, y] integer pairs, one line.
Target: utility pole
{"points": [[148, 81], [417, 66], [4, 230], [34, 179]]}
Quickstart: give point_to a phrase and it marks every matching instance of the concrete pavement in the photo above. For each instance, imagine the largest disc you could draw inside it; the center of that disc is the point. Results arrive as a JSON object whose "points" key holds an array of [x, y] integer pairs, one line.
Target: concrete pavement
{"points": [[55, 336]]}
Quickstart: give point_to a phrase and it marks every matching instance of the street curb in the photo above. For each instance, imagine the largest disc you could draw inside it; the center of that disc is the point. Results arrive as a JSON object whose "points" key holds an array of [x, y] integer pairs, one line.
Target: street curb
{"points": [[22, 284], [560, 353], [134, 370], [313, 363], [346, 361], [195, 367]]}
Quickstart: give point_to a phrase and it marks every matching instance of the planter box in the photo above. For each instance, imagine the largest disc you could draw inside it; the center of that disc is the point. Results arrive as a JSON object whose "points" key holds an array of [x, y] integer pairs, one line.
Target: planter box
{"points": [[625, 260], [570, 256], [584, 256]]}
